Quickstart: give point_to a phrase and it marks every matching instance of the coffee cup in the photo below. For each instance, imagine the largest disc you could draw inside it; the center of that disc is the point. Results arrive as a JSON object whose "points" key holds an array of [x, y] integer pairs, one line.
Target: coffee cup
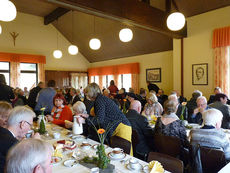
{"points": [[94, 170], [29, 134], [85, 144], [56, 135], [117, 151], [134, 164]]}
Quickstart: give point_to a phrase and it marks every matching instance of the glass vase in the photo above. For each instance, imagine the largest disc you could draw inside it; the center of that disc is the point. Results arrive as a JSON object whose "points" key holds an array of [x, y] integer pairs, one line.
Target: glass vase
{"points": [[103, 160]]}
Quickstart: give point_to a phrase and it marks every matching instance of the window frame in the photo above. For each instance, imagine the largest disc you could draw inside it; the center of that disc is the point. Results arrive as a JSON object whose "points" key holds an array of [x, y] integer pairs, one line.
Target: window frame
{"points": [[29, 71], [6, 71]]}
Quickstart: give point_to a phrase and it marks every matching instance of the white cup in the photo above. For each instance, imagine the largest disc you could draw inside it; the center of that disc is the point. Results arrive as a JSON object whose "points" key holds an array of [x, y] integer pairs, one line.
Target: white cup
{"points": [[56, 135], [134, 164], [94, 170], [29, 134]]}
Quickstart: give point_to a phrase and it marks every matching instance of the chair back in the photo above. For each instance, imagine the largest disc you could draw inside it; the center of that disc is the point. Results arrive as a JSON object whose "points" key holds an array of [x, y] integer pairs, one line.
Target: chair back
{"points": [[212, 159], [116, 141], [169, 163], [167, 144], [135, 141]]}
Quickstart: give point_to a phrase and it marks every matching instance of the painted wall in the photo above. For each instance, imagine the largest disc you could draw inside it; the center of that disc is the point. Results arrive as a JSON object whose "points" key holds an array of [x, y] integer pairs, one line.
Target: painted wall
{"points": [[37, 38], [155, 60], [197, 49]]}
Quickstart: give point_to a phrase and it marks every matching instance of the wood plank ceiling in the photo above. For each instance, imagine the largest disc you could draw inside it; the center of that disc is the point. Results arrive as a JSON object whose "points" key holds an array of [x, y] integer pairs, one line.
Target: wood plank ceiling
{"points": [[87, 26]]}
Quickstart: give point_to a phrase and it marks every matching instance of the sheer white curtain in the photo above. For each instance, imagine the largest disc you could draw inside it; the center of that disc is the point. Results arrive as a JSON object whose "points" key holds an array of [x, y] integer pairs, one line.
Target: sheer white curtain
{"points": [[79, 80]]}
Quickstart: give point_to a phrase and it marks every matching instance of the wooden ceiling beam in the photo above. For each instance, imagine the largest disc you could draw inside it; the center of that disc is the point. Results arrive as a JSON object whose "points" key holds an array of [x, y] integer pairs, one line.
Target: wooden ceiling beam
{"points": [[131, 12], [54, 15]]}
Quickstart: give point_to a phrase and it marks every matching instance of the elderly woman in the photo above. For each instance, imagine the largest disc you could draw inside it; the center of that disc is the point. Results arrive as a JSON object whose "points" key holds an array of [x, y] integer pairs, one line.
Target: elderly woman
{"points": [[5, 109], [211, 135], [169, 124], [107, 113], [152, 107], [60, 111]]}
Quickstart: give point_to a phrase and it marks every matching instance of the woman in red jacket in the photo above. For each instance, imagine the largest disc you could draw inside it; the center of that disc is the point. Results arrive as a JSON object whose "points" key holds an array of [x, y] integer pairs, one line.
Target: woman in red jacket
{"points": [[60, 111]]}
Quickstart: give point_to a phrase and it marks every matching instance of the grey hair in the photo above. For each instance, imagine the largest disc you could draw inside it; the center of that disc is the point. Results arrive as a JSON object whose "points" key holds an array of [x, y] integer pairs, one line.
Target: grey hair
{"points": [[169, 107], [79, 107], [211, 117], [20, 113], [93, 90], [201, 98], [152, 97], [26, 155]]}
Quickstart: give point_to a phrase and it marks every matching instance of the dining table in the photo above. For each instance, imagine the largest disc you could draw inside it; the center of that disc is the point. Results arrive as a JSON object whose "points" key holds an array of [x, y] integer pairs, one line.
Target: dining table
{"points": [[121, 165]]}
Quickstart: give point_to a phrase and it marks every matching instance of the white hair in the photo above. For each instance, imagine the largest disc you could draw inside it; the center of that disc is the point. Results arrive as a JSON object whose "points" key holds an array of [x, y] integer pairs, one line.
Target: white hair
{"points": [[79, 107], [26, 155], [92, 90], [201, 98], [211, 117], [152, 97], [172, 97], [19, 114]]}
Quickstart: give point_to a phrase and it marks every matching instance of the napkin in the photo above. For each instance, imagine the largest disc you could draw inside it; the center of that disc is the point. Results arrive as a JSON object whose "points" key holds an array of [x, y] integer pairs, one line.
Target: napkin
{"points": [[156, 167]]}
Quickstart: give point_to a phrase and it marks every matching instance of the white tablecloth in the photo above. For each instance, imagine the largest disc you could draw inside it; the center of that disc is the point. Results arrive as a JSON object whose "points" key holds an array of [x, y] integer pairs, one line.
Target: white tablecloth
{"points": [[60, 168]]}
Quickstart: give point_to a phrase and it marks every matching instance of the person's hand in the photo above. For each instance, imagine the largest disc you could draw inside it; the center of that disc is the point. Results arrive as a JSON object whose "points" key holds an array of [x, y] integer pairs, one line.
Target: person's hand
{"points": [[50, 118], [84, 115], [68, 124], [201, 110], [36, 135]]}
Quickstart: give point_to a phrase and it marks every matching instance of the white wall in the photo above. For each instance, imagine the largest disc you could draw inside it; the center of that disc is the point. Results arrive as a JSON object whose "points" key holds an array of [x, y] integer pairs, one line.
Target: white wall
{"points": [[37, 38]]}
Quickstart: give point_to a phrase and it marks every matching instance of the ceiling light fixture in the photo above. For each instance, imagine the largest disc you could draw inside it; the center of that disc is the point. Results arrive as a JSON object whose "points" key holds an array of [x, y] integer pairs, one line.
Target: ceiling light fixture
{"points": [[94, 43], [72, 49], [126, 35], [8, 11], [57, 53], [176, 21]]}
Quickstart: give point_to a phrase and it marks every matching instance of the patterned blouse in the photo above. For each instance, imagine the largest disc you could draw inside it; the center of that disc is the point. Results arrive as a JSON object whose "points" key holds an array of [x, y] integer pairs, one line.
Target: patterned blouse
{"points": [[176, 128]]}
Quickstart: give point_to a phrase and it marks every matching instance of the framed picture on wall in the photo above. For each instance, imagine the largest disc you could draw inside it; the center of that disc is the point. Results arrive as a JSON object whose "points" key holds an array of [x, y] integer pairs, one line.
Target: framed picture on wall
{"points": [[200, 74], [153, 75]]}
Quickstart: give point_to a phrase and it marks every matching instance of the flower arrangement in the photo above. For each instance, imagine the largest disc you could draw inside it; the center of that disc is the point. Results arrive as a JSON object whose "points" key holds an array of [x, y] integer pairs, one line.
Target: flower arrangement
{"points": [[42, 128], [124, 110], [183, 108]]}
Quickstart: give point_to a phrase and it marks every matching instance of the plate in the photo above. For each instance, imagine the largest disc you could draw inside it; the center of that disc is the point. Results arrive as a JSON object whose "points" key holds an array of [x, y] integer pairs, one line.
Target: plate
{"points": [[78, 137], [55, 160], [70, 163], [110, 154], [58, 129], [134, 170], [86, 147]]}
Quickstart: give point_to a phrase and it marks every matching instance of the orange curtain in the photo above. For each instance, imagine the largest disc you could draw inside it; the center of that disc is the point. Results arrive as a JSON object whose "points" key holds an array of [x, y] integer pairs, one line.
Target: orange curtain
{"points": [[41, 72], [221, 37], [222, 68], [14, 74], [135, 82], [100, 82]]}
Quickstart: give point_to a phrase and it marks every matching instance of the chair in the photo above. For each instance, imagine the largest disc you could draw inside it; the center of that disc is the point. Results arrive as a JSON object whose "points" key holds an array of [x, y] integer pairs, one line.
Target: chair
{"points": [[212, 159], [169, 163], [119, 142], [167, 145], [135, 141]]}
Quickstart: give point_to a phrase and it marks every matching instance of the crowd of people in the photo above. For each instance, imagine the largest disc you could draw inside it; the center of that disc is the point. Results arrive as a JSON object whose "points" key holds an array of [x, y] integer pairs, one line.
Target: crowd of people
{"points": [[122, 111]]}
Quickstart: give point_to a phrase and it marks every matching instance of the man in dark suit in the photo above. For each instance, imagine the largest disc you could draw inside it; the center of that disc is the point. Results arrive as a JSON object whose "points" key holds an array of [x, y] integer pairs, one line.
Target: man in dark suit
{"points": [[34, 93], [19, 123], [141, 125], [220, 104], [142, 98], [211, 99], [74, 96], [6, 92]]}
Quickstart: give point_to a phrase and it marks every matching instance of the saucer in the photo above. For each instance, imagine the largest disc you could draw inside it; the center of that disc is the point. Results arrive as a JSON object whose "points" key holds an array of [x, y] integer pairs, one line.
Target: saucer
{"points": [[78, 137], [119, 157], [70, 163], [55, 160], [138, 169]]}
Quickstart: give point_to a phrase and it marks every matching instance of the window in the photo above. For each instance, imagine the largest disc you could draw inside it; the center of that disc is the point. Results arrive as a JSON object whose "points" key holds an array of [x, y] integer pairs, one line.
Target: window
{"points": [[95, 79], [5, 70], [106, 80], [124, 81], [28, 75]]}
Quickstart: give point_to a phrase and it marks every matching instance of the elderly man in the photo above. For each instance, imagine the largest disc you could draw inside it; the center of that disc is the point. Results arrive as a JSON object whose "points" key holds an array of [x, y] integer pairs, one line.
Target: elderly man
{"points": [[74, 96], [191, 105], [31, 155], [196, 117], [19, 123], [173, 97], [141, 125], [220, 104], [211, 135], [217, 90]]}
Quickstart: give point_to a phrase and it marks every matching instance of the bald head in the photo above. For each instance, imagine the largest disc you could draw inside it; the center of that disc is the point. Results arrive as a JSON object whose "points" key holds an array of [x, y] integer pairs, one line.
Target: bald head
{"points": [[135, 105]]}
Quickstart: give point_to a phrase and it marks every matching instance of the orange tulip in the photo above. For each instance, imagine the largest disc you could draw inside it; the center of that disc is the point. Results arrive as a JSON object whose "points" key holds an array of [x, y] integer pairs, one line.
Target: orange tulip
{"points": [[100, 131], [124, 100]]}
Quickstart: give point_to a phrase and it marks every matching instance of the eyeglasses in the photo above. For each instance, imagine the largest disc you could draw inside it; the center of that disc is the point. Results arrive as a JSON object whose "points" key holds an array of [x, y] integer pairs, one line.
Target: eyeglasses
{"points": [[27, 123]]}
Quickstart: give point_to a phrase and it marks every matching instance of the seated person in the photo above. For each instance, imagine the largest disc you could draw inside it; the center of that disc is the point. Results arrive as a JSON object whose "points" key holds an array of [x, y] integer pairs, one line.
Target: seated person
{"points": [[191, 105], [196, 117], [31, 155], [152, 107], [60, 111], [181, 99], [106, 93], [74, 96], [211, 99], [141, 125], [179, 107], [5, 109], [169, 124], [142, 98], [161, 97], [211, 135]]}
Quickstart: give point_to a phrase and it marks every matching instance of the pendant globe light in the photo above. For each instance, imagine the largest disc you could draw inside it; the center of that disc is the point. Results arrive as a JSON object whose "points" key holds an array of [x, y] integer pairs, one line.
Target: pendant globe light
{"points": [[8, 11], [126, 35], [57, 53], [72, 49], [94, 43]]}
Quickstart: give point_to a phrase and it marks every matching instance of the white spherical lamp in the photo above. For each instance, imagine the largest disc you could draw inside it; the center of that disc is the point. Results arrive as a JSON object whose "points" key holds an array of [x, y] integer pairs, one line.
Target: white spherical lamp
{"points": [[126, 35], [8, 11], [57, 54], [0, 29], [95, 44], [73, 50], [175, 21]]}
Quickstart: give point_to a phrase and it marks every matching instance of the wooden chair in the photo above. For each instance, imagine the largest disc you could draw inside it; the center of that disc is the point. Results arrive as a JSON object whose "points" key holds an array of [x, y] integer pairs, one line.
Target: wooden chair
{"points": [[167, 145], [119, 142], [135, 141], [169, 163]]}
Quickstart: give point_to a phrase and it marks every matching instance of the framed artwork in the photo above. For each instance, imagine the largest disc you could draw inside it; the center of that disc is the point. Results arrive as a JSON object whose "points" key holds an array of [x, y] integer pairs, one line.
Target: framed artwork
{"points": [[153, 75], [200, 74]]}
